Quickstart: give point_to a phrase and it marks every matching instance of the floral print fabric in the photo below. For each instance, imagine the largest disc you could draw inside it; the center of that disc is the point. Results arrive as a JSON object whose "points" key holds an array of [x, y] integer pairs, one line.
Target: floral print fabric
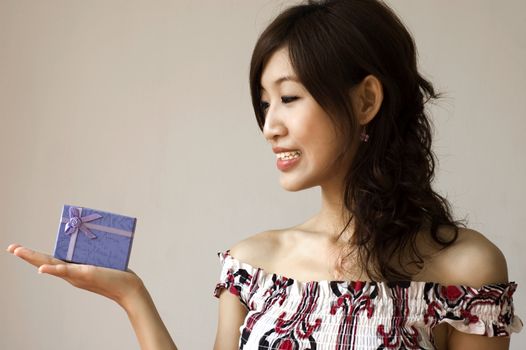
{"points": [[286, 314]]}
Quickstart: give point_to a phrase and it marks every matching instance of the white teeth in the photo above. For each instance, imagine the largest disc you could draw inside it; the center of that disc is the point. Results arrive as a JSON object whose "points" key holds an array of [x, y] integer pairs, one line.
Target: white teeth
{"points": [[288, 155]]}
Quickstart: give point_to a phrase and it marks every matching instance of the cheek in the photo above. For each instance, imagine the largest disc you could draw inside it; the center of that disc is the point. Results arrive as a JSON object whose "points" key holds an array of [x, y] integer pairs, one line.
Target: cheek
{"points": [[315, 133], [302, 131], [326, 148]]}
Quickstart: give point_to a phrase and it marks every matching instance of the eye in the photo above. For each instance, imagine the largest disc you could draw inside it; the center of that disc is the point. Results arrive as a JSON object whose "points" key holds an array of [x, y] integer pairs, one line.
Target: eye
{"points": [[288, 99], [285, 99], [263, 105]]}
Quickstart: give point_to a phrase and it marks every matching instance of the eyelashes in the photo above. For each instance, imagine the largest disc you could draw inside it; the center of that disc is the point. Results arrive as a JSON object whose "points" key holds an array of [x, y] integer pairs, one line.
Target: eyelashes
{"points": [[288, 99], [285, 99]]}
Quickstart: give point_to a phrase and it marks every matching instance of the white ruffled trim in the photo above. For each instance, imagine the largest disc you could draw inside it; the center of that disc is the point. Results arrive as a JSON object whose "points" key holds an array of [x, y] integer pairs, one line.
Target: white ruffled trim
{"points": [[482, 327]]}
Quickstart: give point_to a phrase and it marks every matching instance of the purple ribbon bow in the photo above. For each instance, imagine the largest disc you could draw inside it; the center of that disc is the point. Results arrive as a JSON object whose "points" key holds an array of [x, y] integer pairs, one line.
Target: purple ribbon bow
{"points": [[76, 223]]}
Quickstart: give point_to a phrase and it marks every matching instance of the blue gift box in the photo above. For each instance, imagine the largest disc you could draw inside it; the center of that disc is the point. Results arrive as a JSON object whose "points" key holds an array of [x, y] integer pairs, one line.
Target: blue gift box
{"points": [[94, 237]]}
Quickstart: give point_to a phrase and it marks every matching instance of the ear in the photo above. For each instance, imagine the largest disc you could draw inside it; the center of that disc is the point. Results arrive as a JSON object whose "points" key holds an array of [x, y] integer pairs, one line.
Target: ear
{"points": [[367, 97]]}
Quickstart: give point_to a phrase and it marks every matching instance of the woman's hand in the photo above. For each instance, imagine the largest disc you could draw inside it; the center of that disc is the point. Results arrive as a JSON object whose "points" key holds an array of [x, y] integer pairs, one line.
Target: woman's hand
{"points": [[114, 284], [124, 287]]}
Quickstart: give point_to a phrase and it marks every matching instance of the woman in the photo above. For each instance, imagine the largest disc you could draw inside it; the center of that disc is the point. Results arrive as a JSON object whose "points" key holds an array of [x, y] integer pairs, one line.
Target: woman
{"points": [[383, 265]]}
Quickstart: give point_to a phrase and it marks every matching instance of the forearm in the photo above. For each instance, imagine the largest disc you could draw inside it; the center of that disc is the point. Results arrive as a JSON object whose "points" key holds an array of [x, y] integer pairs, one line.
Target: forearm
{"points": [[146, 322]]}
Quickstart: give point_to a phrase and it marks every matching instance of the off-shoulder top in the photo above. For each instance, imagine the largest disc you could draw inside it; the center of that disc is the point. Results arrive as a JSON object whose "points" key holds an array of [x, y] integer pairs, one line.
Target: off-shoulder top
{"points": [[286, 314]]}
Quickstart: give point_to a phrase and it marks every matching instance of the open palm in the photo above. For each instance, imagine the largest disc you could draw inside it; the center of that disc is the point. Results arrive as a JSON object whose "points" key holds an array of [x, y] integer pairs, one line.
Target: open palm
{"points": [[114, 284]]}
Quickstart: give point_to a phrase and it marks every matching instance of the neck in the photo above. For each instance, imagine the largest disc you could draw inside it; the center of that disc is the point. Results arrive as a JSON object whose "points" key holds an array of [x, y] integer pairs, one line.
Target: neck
{"points": [[333, 216]]}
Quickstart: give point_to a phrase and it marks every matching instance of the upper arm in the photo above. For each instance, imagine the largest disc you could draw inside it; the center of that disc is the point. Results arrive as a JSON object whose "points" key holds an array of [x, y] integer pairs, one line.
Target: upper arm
{"points": [[232, 312], [464, 341], [475, 261]]}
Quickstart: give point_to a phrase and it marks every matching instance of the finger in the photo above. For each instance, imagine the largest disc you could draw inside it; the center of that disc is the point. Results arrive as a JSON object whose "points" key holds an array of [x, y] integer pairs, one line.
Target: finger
{"points": [[71, 271], [35, 258], [79, 275], [59, 270], [12, 247]]}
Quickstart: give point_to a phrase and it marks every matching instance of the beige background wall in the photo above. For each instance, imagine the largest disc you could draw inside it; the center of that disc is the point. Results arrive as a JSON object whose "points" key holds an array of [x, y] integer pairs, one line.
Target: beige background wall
{"points": [[142, 108]]}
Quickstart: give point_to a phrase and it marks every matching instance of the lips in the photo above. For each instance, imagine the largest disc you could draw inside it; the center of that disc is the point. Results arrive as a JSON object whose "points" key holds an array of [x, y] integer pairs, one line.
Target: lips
{"points": [[281, 149], [286, 164]]}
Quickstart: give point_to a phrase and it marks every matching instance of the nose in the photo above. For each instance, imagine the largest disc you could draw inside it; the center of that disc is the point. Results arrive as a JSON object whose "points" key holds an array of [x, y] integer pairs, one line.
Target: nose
{"points": [[273, 127]]}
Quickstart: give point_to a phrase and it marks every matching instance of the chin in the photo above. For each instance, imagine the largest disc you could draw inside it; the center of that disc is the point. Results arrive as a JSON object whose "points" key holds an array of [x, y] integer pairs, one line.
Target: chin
{"points": [[294, 186]]}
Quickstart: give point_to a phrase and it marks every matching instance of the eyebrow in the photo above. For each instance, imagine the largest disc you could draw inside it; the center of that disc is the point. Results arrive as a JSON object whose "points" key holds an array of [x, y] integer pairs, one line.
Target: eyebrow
{"points": [[282, 79]]}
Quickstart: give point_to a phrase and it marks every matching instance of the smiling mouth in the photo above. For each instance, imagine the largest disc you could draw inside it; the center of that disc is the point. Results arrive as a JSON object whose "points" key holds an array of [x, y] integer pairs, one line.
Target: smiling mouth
{"points": [[288, 155]]}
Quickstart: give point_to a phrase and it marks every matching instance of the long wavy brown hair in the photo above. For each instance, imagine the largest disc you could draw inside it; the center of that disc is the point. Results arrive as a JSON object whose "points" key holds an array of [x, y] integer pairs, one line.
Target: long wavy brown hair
{"points": [[333, 45]]}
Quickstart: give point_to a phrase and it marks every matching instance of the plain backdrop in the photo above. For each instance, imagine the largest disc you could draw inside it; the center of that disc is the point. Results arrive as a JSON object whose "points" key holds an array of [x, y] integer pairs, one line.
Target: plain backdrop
{"points": [[142, 108]]}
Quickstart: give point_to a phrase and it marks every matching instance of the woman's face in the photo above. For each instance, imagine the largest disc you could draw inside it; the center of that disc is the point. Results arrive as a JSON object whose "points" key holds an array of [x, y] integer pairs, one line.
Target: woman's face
{"points": [[295, 121]]}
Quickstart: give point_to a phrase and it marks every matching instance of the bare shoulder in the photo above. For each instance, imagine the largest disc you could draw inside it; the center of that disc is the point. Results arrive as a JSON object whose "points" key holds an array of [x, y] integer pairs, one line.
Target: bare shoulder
{"points": [[472, 260], [258, 249]]}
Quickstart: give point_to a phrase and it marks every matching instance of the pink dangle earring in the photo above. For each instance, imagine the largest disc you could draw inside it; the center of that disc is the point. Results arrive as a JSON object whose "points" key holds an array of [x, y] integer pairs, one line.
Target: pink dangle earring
{"points": [[364, 136]]}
